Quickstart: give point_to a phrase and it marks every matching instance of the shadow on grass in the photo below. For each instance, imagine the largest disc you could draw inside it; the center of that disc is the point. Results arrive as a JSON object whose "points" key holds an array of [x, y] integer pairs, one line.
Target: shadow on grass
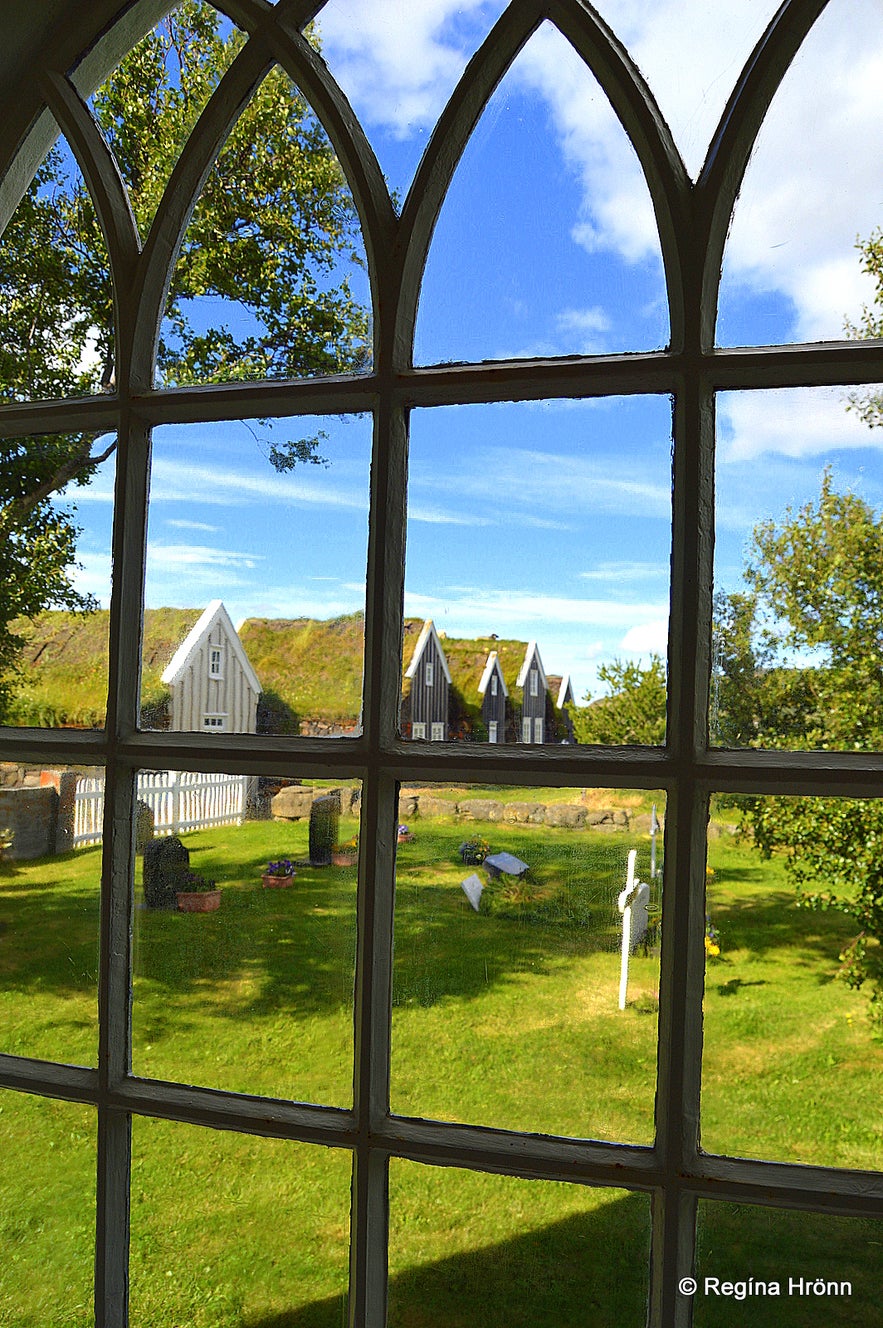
{"points": [[589, 1269], [778, 923]]}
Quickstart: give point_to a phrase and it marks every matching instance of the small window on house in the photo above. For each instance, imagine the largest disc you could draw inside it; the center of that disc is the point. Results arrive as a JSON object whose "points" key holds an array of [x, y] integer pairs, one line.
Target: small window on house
{"points": [[534, 683], [216, 662], [525, 730], [438, 733], [428, 673], [492, 729], [538, 730], [418, 730], [494, 685], [216, 722]]}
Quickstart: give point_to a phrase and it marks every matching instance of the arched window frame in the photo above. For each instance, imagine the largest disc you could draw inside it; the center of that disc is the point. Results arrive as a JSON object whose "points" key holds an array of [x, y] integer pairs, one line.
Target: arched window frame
{"points": [[692, 221]]}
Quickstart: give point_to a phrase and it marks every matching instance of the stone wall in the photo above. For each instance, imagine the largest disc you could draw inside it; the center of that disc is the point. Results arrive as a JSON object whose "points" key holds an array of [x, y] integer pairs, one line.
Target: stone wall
{"points": [[415, 803]]}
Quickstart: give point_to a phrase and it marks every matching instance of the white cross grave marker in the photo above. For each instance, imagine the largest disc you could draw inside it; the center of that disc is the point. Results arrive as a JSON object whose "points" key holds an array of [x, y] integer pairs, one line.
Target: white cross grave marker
{"points": [[632, 904]]}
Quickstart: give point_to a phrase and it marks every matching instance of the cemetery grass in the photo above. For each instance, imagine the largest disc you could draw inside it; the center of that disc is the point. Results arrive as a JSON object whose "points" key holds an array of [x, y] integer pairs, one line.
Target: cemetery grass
{"points": [[505, 1018]]}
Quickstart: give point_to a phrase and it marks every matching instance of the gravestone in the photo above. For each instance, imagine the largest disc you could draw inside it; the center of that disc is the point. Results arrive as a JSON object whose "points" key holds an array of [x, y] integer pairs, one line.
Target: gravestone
{"points": [[500, 864], [472, 888], [166, 863], [324, 820], [632, 904], [144, 825]]}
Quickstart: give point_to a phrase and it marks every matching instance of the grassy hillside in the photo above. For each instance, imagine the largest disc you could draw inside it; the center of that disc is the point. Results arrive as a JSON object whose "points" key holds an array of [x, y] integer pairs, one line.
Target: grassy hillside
{"points": [[64, 665], [312, 668]]}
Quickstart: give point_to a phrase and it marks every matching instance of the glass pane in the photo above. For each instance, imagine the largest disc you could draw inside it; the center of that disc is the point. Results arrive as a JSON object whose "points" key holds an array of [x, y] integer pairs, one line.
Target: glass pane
{"points": [[232, 1229], [257, 554], [797, 570], [50, 874], [691, 54], [57, 316], [541, 248], [509, 955], [245, 897], [468, 1249], [397, 66], [55, 579], [271, 280], [791, 1060], [149, 105], [792, 270], [47, 1219], [518, 517], [780, 1269]]}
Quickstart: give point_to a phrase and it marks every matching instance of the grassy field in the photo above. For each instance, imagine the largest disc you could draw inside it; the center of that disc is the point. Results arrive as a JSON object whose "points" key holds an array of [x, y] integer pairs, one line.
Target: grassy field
{"points": [[508, 1018]]}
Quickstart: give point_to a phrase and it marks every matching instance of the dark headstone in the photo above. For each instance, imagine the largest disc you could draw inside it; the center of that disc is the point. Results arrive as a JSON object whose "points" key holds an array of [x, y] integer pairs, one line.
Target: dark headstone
{"points": [[324, 820], [143, 826], [166, 864]]}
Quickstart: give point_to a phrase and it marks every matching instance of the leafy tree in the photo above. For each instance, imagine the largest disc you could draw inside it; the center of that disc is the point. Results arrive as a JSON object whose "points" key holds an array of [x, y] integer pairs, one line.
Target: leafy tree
{"points": [[632, 713], [270, 233], [870, 404], [816, 581]]}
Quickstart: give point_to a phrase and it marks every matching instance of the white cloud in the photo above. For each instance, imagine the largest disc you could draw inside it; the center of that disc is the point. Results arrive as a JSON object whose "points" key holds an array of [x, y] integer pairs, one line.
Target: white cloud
{"points": [[193, 525], [166, 556], [647, 639], [792, 422], [181, 481], [812, 185], [615, 573]]}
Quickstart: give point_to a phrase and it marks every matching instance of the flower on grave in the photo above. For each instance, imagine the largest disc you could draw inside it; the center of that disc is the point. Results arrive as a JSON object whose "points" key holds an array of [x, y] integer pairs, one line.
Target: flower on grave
{"points": [[474, 851], [196, 883], [351, 846], [284, 867], [712, 940]]}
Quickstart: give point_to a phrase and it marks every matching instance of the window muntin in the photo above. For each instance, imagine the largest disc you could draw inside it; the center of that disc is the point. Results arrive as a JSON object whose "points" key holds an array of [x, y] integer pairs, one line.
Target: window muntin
{"points": [[692, 580]]}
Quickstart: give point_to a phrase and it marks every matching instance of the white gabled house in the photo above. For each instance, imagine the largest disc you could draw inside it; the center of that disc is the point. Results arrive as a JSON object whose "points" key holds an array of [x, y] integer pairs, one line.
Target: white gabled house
{"points": [[213, 687]]}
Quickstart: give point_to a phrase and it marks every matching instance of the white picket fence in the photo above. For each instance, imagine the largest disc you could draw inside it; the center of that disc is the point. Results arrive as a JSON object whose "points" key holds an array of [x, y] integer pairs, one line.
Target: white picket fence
{"points": [[180, 801]]}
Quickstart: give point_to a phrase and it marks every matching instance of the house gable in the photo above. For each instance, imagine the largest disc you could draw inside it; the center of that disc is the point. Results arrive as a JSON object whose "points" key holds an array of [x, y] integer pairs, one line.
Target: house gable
{"points": [[214, 615]]}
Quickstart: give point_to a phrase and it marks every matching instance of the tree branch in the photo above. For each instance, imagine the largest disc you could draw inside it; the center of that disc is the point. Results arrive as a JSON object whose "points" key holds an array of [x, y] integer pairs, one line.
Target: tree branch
{"points": [[15, 511]]}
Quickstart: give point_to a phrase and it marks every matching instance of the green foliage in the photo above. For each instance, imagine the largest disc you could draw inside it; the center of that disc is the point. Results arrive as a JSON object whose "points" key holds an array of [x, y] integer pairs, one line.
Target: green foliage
{"points": [[633, 712], [869, 404], [269, 236], [816, 585]]}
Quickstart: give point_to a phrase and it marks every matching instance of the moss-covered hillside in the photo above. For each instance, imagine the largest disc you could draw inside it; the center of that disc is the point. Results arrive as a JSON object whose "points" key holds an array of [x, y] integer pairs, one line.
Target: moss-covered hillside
{"points": [[63, 680], [309, 668]]}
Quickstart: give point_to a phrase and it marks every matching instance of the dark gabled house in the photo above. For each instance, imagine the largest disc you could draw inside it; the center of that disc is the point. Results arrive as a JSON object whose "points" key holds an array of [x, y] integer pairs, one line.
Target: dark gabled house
{"points": [[561, 697], [531, 681], [494, 699], [426, 703]]}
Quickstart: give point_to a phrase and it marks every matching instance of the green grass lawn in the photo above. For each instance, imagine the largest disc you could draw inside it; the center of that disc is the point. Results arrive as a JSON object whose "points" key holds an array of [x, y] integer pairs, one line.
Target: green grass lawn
{"points": [[507, 1017]]}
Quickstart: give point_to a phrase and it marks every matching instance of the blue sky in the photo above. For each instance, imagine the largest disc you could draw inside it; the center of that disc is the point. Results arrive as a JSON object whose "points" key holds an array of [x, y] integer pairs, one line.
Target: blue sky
{"points": [[551, 520]]}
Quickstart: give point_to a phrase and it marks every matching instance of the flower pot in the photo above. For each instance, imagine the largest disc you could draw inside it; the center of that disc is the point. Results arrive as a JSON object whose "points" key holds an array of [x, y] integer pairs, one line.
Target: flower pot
{"points": [[198, 901], [343, 859], [276, 882]]}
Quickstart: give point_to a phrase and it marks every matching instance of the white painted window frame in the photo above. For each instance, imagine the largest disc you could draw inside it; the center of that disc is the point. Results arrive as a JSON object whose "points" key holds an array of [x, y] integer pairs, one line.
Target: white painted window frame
{"points": [[538, 727], [418, 730], [215, 722], [693, 222], [437, 732], [492, 730], [216, 655], [526, 730], [428, 673]]}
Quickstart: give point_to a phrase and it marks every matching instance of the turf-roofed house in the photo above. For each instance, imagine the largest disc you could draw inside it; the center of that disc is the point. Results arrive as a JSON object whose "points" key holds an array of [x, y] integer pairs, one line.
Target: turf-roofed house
{"points": [[481, 689]]}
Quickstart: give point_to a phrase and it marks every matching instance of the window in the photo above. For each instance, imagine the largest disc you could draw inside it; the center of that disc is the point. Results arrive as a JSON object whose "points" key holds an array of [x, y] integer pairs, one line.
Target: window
{"points": [[492, 731], [493, 684], [675, 1172], [427, 673], [216, 662]]}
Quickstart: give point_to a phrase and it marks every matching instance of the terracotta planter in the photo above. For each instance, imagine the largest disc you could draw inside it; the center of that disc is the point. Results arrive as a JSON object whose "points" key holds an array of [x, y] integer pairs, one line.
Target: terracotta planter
{"points": [[198, 901], [276, 882], [343, 859]]}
